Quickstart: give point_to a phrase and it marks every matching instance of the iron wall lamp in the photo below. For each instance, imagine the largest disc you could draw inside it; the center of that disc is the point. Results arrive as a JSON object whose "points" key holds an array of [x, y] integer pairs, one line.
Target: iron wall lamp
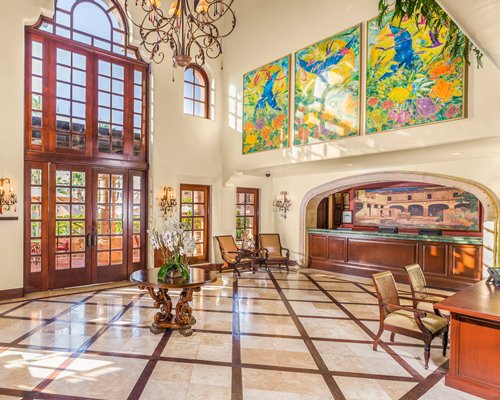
{"points": [[168, 202], [283, 204], [7, 196]]}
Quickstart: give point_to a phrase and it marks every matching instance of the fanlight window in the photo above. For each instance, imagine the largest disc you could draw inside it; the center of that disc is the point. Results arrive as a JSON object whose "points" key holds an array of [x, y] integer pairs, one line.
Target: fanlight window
{"points": [[97, 23]]}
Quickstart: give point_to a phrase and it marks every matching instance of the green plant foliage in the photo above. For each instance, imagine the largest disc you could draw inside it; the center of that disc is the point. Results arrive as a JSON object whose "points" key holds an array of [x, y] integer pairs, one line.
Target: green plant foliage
{"points": [[436, 18]]}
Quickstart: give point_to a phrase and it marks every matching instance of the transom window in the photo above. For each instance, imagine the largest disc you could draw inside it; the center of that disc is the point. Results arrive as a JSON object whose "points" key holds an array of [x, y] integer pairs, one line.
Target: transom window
{"points": [[196, 91], [87, 89], [97, 23]]}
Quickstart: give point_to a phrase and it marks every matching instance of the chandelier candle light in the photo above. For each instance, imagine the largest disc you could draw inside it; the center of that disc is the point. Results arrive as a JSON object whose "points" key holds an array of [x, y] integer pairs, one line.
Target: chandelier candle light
{"points": [[283, 204], [192, 28], [168, 202], [7, 196]]}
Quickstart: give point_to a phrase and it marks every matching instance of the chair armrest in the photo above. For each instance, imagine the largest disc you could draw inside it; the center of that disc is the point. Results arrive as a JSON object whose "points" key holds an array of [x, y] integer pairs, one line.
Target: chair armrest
{"points": [[265, 252], [287, 252]]}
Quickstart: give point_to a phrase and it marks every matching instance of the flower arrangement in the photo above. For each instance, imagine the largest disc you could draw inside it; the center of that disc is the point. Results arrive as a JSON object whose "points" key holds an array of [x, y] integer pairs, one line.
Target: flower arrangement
{"points": [[176, 246]]}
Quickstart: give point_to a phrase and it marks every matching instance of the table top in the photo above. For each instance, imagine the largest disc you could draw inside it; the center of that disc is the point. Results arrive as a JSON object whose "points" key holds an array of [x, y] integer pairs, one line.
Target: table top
{"points": [[481, 300], [198, 276]]}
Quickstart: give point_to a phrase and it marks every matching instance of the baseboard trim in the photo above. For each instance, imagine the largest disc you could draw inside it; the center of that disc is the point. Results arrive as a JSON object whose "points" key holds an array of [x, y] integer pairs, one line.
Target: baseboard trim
{"points": [[11, 294]]}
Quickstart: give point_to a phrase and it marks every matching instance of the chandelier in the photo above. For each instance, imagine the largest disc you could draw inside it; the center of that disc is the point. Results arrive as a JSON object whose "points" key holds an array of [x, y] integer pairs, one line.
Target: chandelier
{"points": [[192, 28]]}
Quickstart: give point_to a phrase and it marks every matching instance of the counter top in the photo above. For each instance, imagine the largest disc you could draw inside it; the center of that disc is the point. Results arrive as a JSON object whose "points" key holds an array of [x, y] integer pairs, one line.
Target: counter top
{"points": [[401, 236], [481, 300]]}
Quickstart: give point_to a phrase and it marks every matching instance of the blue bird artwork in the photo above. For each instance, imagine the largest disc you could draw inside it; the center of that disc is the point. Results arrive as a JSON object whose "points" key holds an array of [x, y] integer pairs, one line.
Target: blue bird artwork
{"points": [[405, 57], [268, 96], [323, 66]]}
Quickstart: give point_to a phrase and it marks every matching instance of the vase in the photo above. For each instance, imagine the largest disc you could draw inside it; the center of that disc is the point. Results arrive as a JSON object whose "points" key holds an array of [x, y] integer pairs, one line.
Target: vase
{"points": [[174, 273]]}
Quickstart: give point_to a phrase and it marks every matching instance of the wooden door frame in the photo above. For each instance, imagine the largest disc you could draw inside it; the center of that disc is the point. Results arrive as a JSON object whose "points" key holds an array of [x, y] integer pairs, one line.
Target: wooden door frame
{"points": [[256, 192], [208, 216]]}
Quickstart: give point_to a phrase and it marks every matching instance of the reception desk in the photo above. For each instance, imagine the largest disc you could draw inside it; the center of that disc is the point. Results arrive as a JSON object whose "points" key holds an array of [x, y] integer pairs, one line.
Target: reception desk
{"points": [[453, 262], [475, 340]]}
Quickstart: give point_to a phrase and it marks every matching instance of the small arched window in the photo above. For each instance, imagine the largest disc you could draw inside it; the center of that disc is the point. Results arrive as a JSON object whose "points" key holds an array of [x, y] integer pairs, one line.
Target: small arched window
{"points": [[196, 92]]}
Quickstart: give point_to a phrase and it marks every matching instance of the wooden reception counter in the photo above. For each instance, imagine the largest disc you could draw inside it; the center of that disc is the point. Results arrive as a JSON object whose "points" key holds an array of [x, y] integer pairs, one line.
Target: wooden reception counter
{"points": [[475, 340], [453, 262]]}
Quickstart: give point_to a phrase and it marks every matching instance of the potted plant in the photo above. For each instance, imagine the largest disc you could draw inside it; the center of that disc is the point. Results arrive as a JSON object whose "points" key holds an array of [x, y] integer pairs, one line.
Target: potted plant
{"points": [[176, 246]]}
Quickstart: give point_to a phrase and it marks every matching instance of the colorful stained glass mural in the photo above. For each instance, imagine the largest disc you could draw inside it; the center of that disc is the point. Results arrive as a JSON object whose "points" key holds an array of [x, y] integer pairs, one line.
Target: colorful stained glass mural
{"points": [[327, 85], [409, 81], [266, 103]]}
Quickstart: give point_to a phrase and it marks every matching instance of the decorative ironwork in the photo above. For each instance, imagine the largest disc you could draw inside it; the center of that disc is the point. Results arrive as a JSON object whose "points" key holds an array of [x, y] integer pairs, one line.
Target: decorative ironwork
{"points": [[193, 29]]}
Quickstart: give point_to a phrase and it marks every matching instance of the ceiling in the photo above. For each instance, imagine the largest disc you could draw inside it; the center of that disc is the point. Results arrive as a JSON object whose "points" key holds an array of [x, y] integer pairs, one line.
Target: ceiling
{"points": [[479, 20]]}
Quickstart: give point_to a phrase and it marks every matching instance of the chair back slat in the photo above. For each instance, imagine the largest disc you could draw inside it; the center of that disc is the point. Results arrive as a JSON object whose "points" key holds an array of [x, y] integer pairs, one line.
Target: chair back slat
{"points": [[416, 278], [387, 291], [271, 242]]}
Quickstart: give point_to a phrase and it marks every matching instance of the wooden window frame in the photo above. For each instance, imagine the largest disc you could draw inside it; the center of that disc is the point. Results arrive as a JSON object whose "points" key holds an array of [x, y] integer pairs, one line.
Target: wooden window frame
{"points": [[205, 86], [208, 218], [256, 205]]}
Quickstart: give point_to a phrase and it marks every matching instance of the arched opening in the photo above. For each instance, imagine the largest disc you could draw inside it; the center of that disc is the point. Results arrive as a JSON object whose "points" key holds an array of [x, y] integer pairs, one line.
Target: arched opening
{"points": [[416, 210], [489, 214], [436, 210]]}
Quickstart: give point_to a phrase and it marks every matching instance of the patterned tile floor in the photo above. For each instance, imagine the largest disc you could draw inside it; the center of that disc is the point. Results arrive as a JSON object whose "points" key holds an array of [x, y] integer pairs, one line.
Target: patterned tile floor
{"points": [[299, 335]]}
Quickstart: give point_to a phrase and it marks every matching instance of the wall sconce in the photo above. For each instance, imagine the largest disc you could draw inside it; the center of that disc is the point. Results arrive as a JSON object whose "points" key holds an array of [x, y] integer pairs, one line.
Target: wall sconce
{"points": [[283, 204], [7, 196], [168, 202]]}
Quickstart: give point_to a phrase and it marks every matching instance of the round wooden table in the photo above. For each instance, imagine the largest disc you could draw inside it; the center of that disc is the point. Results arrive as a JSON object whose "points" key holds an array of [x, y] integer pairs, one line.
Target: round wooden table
{"points": [[158, 290]]}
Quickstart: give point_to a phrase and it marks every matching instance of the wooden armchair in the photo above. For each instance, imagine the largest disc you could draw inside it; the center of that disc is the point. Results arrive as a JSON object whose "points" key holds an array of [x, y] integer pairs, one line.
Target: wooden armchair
{"points": [[407, 321], [234, 257], [272, 250], [422, 298]]}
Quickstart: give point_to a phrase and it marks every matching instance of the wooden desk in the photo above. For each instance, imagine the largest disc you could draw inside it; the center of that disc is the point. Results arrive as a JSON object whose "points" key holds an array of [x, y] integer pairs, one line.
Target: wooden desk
{"points": [[475, 340]]}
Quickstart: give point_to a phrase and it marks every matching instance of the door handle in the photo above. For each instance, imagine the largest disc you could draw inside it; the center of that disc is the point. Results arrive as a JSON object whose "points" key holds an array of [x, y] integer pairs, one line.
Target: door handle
{"points": [[94, 240], [88, 240]]}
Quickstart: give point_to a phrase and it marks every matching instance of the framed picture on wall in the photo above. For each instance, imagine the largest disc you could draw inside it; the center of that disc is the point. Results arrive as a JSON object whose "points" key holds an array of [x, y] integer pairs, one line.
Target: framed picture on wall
{"points": [[347, 217]]}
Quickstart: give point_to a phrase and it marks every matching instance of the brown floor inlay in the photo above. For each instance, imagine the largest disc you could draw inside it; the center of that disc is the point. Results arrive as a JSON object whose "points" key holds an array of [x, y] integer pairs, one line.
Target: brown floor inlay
{"points": [[305, 335]]}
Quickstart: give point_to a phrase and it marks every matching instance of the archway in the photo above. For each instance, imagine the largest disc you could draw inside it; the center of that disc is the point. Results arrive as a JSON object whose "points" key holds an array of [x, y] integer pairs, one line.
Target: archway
{"points": [[435, 210], [490, 202], [416, 210]]}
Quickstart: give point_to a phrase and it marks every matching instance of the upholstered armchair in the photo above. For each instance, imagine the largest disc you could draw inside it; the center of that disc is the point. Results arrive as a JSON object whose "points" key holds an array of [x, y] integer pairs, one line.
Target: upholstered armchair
{"points": [[422, 298], [234, 257], [407, 321], [272, 250]]}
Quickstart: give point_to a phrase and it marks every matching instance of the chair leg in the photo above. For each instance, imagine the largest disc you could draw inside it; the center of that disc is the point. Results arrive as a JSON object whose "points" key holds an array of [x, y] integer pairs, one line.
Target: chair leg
{"points": [[393, 335], [445, 342], [237, 271], [377, 338], [427, 354]]}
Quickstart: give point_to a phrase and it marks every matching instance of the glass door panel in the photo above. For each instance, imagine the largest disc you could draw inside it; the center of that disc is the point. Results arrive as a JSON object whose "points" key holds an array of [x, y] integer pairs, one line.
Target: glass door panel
{"points": [[110, 220], [70, 226], [194, 217]]}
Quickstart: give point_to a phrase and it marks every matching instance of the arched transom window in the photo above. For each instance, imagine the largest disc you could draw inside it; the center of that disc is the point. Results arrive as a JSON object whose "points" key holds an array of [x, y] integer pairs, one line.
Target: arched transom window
{"points": [[196, 92], [97, 23]]}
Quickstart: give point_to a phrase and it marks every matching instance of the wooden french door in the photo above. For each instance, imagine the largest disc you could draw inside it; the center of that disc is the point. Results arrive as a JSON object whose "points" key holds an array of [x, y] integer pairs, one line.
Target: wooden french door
{"points": [[195, 217], [109, 250], [85, 225], [70, 226]]}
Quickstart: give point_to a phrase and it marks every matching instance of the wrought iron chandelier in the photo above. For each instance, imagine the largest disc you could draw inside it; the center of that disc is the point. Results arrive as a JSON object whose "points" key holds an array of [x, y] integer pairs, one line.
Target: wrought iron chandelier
{"points": [[193, 29]]}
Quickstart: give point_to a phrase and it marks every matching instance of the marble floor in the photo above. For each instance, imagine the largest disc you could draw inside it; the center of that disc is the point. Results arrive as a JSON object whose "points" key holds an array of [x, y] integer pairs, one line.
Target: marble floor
{"points": [[300, 335]]}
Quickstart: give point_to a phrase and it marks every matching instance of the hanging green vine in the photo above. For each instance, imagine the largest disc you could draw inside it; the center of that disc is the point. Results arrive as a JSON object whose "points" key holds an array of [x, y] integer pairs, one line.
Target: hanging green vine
{"points": [[457, 44]]}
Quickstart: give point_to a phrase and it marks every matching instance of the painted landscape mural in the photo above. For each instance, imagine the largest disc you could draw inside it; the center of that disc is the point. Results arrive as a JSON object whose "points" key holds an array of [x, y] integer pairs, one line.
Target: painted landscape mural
{"points": [[409, 81], [327, 89], [266, 103], [431, 207]]}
